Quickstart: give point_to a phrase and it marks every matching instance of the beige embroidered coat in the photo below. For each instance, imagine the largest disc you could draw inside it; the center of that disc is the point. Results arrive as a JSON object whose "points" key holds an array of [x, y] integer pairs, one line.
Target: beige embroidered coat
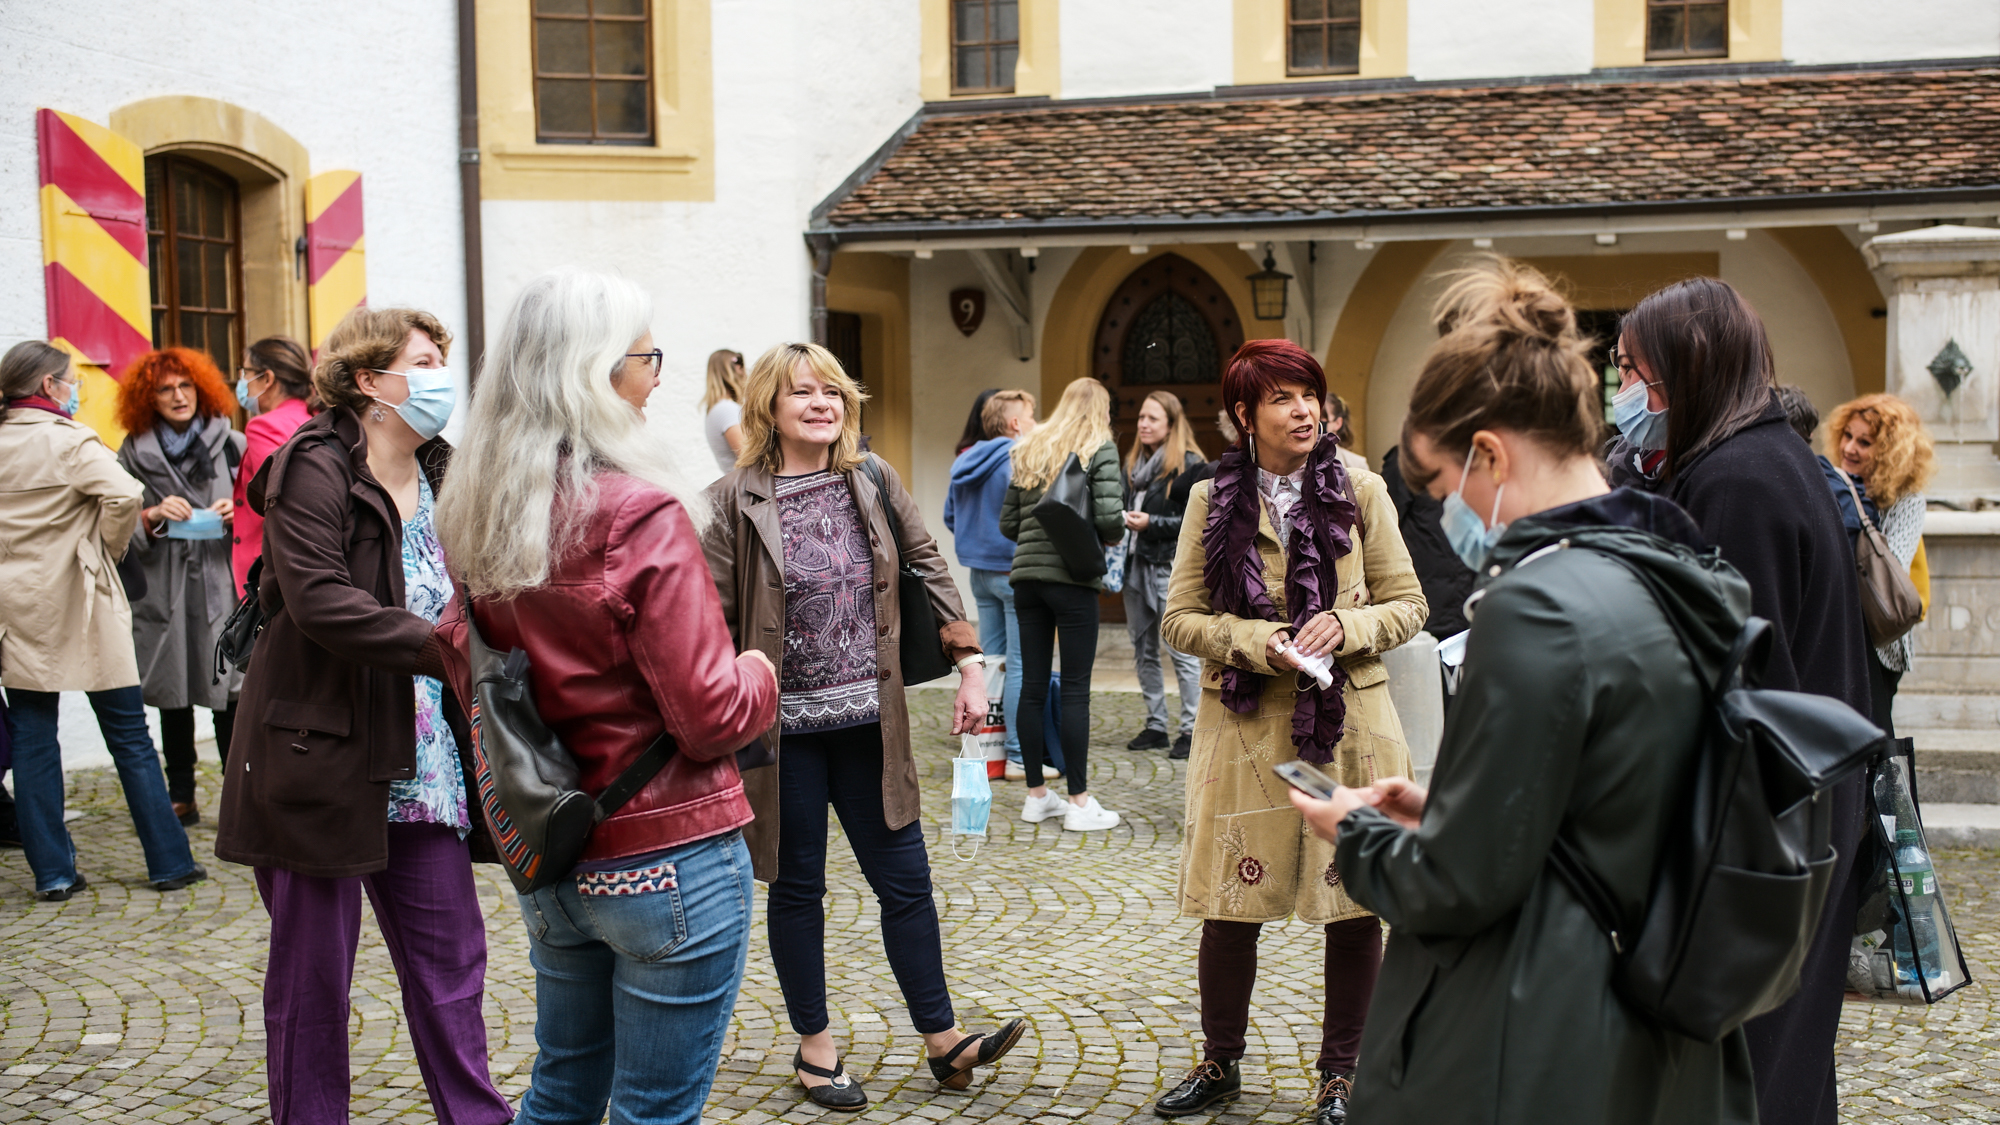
{"points": [[1247, 855]]}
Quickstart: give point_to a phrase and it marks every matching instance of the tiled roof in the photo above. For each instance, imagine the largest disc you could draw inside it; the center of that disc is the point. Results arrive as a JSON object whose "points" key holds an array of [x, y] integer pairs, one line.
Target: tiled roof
{"points": [[1415, 151]]}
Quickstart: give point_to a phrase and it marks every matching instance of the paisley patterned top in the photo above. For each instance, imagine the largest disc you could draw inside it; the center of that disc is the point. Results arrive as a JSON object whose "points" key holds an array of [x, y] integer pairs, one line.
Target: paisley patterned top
{"points": [[829, 674], [437, 794]]}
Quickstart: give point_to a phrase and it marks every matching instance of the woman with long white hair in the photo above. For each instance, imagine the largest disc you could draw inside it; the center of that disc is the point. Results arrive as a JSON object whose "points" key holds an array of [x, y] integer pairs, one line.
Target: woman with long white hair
{"points": [[575, 540]]}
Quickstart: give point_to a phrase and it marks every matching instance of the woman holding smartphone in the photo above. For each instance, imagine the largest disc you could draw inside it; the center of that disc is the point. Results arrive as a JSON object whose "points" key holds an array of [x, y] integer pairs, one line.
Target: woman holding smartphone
{"points": [[1579, 713], [1285, 553]]}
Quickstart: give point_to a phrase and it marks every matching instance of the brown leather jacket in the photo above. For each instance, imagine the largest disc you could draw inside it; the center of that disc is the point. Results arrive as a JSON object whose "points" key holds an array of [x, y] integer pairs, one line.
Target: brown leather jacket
{"points": [[747, 559]]}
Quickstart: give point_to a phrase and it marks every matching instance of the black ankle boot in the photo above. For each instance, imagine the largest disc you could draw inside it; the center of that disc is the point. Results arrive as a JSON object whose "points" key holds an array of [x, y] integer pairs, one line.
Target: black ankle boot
{"points": [[1215, 1080], [1335, 1087]]}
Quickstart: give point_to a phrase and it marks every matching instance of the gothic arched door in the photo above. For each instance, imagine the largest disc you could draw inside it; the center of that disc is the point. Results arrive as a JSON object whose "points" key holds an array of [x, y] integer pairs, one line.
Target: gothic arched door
{"points": [[1167, 327]]}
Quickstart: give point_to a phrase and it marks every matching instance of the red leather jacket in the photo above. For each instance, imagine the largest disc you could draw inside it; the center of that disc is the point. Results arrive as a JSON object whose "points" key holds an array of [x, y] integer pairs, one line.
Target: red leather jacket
{"points": [[626, 639]]}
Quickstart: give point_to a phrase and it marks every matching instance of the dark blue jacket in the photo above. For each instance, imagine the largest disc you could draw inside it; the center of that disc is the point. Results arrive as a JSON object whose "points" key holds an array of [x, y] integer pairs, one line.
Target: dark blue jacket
{"points": [[979, 480]]}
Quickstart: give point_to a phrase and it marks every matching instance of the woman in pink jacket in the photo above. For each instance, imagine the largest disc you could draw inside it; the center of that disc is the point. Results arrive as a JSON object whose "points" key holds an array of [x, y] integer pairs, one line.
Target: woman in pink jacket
{"points": [[273, 386]]}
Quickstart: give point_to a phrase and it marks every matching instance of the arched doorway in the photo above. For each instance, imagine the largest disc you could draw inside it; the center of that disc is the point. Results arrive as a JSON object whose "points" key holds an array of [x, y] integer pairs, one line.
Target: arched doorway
{"points": [[1167, 327]]}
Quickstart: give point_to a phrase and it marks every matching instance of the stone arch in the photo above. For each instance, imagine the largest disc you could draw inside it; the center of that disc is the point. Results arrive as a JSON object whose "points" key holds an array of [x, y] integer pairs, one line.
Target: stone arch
{"points": [[1196, 329], [270, 167]]}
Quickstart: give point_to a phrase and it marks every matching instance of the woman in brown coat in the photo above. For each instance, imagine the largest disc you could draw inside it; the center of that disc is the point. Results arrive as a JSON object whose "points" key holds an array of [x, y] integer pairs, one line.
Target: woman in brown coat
{"points": [[1283, 548], [348, 771], [799, 531]]}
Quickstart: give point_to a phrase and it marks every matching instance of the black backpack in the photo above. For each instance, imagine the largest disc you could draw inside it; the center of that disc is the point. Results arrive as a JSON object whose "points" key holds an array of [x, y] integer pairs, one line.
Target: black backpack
{"points": [[1742, 875]]}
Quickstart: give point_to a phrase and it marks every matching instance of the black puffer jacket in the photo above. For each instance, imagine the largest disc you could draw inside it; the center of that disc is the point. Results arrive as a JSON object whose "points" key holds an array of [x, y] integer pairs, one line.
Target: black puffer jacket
{"points": [[1165, 500], [1579, 711]]}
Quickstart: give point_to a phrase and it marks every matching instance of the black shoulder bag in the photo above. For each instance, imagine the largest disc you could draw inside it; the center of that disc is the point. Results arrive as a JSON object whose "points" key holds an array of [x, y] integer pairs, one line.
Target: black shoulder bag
{"points": [[1742, 875], [527, 778], [1065, 511], [923, 654]]}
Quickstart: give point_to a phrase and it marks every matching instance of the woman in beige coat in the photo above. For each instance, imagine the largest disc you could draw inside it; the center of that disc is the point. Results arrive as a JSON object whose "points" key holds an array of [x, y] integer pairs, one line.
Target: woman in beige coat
{"points": [[1284, 551], [66, 516]]}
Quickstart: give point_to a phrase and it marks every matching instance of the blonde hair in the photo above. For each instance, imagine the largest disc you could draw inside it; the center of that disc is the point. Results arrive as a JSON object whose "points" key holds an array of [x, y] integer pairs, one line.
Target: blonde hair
{"points": [[1904, 457], [723, 383], [993, 416], [1179, 442], [1080, 424], [368, 340], [544, 424], [770, 377]]}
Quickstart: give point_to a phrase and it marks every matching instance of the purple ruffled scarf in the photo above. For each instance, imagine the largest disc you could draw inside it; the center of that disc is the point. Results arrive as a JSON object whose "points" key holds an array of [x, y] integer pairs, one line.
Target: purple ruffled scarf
{"points": [[1234, 574]]}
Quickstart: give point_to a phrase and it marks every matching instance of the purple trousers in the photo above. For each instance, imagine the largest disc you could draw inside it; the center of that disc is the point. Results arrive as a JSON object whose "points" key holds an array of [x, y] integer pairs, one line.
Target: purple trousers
{"points": [[428, 909], [1226, 968]]}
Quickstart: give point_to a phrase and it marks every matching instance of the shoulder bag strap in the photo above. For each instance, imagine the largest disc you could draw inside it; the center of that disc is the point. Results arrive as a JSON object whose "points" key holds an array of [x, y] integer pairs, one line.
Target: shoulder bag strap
{"points": [[1860, 511], [635, 776], [888, 510]]}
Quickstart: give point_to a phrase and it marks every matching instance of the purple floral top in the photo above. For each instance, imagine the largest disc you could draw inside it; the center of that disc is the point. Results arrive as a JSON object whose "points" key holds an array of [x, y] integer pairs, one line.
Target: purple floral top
{"points": [[437, 794], [829, 674]]}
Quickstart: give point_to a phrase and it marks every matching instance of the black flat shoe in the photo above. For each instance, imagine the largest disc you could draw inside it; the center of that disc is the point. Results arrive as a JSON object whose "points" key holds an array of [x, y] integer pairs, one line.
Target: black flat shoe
{"points": [[63, 894], [1215, 1080], [1181, 747], [1148, 739], [991, 1046], [840, 1092], [191, 878], [1334, 1090]]}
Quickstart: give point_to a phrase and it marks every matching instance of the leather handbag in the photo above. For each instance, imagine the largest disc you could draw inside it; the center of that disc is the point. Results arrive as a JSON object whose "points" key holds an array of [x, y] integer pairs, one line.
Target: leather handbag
{"points": [[238, 638], [1889, 602], [1065, 514], [541, 820], [922, 649]]}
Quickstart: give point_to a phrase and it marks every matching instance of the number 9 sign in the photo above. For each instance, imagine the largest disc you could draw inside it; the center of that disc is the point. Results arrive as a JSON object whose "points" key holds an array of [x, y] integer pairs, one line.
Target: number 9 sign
{"points": [[968, 309]]}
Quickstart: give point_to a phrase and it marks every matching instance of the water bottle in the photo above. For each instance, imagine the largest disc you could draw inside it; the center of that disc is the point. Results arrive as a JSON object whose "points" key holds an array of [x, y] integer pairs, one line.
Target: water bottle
{"points": [[1920, 894]]}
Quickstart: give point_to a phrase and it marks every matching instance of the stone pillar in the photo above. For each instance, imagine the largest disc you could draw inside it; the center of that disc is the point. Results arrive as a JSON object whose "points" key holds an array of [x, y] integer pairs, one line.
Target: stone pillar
{"points": [[1944, 349]]}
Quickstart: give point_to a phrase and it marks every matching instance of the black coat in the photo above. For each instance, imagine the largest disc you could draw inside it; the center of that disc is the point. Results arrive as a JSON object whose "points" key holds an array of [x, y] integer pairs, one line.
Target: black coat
{"points": [[1760, 496], [1444, 576], [1166, 500]]}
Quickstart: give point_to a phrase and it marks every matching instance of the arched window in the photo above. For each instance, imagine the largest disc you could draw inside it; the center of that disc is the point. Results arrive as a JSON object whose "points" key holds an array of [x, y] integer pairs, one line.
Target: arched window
{"points": [[194, 251]]}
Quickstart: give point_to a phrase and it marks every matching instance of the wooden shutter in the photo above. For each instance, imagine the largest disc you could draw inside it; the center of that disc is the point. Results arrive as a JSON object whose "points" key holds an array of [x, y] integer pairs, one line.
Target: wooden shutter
{"points": [[336, 259], [93, 199]]}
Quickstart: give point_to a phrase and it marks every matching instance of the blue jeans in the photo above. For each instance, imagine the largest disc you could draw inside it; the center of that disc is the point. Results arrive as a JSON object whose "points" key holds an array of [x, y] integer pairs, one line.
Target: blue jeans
{"points": [[38, 785], [636, 974], [1000, 632]]}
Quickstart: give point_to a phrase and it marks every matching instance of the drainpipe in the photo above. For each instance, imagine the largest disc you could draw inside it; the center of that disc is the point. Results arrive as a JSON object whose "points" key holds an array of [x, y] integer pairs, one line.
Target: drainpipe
{"points": [[468, 184], [821, 246]]}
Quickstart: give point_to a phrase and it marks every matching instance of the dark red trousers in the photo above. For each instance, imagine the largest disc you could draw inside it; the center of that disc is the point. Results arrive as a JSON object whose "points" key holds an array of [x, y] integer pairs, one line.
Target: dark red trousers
{"points": [[1226, 968]]}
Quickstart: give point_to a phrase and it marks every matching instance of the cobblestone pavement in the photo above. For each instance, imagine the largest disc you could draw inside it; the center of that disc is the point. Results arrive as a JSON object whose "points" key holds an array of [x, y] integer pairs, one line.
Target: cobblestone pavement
{"points": [[129, 1005]]}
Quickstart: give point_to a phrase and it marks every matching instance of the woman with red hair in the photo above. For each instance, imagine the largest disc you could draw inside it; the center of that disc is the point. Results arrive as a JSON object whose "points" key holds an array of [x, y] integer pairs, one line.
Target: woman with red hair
{"points": [[1286, 554], [179, 444]]}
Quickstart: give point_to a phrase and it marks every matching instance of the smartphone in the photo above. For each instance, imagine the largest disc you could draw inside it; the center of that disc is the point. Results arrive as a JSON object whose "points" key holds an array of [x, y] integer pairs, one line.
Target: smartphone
{"points": [[1306, 779]]}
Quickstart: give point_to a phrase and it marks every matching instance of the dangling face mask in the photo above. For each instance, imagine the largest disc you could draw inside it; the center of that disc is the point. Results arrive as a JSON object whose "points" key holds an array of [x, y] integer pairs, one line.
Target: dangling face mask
{"points": [[431, 400], [1471, 539], [1643, 427]]}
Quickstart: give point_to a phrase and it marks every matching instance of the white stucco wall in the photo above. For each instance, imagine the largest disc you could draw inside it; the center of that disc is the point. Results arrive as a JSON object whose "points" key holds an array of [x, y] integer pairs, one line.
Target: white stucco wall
{"points": [[356, 97], [1805, 340], [794, 116], [1109, 48], [1829, 31], [1454, 39]]}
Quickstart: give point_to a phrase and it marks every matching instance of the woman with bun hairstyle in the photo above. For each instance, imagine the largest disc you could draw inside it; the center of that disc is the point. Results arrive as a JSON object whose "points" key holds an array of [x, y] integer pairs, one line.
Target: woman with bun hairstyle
{"points": [[1733, 462], [275, 388], [176, 410], [1284, 551], [1877, 444], [1579, 711]]}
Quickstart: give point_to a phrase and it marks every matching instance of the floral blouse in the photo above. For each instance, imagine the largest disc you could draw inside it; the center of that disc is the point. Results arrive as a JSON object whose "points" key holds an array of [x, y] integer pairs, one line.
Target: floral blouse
{"points": [[437, 794]]}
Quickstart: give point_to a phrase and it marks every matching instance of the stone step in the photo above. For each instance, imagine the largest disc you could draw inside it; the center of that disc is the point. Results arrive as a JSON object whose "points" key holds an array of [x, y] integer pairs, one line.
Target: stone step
{"points": [[1949, 825], [1919, 710], [1957, 767]]}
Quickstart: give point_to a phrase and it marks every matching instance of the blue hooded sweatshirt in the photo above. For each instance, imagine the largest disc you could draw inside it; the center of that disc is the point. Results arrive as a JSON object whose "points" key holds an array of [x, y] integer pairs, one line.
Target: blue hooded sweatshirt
{"points": [[979, 480]]}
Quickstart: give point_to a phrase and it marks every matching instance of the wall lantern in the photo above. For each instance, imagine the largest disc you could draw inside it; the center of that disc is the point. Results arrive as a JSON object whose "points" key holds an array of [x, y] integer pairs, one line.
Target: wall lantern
{"points": [[1269, 288]]}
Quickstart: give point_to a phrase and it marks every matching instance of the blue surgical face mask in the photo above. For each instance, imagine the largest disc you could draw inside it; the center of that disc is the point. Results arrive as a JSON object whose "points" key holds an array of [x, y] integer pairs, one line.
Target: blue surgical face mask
{"points": [[431, 400], [1641, 426], [1470, 538], [74, 402], [243, 396]]}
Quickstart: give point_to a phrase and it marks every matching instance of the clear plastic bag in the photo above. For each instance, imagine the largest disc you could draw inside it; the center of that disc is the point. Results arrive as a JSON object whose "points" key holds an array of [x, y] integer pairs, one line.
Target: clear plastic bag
{"points": [[1905, 949]]}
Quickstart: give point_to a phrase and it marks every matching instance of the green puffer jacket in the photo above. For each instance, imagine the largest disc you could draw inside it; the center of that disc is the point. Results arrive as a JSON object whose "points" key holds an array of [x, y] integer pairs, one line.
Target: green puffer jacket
{"points": [[1035, 558], [1578, 711]]}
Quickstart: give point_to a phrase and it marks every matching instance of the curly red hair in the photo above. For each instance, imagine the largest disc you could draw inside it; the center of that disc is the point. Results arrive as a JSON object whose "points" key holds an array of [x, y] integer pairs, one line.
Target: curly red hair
{"points": [[136, 412]]}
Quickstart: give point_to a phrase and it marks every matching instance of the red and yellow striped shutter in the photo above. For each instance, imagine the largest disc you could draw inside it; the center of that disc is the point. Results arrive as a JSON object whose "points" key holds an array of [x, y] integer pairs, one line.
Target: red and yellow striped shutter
{"points": [[94, 254], [336, 260]]}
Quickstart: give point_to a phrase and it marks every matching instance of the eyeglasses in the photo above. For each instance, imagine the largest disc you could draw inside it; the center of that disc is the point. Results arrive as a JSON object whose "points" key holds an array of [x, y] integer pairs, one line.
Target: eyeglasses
{"points": [[177, 390], [656, 358]]}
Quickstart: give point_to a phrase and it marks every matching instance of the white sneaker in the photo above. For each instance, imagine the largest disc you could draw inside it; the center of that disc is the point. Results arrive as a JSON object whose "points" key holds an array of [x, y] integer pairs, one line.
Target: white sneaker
{"points": [[1088, 816], [1015, 771], [1041, 808]]}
